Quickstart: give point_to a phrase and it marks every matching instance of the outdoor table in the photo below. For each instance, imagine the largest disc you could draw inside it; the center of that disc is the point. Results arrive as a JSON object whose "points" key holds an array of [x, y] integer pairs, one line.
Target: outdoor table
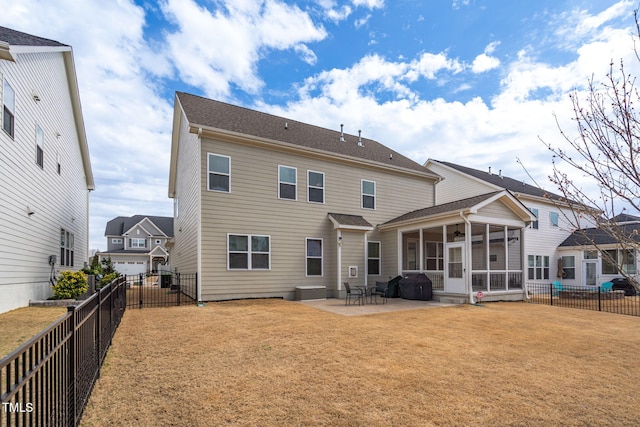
{"points": [[366, 289]]}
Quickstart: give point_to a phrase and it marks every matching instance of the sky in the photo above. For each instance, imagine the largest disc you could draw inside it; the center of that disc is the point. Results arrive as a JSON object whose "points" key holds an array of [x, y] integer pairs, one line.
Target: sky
{"points": [[480, 83]]}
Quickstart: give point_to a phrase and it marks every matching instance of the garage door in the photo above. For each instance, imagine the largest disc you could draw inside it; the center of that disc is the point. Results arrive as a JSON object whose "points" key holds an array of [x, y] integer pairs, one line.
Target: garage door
{"points": [[129, 268]]}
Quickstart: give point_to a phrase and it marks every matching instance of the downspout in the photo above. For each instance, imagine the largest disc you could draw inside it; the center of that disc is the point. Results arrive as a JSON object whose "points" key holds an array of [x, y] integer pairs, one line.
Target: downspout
{"points": [[467, 261], [339, 263]]}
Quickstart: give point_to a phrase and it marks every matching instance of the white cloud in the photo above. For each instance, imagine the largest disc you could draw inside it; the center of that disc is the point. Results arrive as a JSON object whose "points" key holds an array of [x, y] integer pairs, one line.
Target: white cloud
{"points": [[361, 21], [369, 4], [240, 32], [484, 62]]}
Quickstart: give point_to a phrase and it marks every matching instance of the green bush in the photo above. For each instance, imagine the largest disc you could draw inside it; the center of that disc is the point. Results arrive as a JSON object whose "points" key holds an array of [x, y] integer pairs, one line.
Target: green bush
{"points": [[108, 278], [70, 285]]}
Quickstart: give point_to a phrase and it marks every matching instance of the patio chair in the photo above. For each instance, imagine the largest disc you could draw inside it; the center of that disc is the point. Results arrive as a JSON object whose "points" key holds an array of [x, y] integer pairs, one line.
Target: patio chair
{"points": [[606, 287], [557, 287], [358, 295], [380, 289]]}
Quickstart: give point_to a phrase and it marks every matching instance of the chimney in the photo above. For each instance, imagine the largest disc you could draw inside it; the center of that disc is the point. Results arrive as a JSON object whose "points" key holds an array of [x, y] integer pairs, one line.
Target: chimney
{"points": [[341, 133], [360, 139]]}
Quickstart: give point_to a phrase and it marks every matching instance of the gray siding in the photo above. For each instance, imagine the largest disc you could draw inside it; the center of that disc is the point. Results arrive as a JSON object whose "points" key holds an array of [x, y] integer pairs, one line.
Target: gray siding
{"points": [[57, 200]]}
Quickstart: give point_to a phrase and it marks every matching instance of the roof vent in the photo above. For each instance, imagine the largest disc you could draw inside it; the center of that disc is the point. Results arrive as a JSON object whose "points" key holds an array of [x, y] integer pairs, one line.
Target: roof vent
{"points": [[341, 133], [489, 170], [286, 125], [390, 156], [500, 173], [360, 139]]}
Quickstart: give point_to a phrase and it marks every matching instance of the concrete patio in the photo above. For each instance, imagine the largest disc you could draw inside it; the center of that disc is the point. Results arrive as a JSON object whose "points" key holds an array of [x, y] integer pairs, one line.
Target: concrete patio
{"points": [[337, 306]]}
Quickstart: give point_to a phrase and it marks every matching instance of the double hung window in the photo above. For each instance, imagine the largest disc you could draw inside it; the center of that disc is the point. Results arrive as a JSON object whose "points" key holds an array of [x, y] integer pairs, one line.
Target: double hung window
{"points": [[315, 181], [538, 267], [66, 248], [8, 109], [314, 257], [219, 173], [39, 146], [368, 194], [287, 183], [534, 224], [373, 258]]}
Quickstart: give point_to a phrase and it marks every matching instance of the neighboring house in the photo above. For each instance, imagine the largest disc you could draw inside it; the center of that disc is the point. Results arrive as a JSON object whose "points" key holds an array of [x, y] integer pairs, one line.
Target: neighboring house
{"points": [[263, 204], [586, 264], [544, 261], [45, 170], [138, 244]]}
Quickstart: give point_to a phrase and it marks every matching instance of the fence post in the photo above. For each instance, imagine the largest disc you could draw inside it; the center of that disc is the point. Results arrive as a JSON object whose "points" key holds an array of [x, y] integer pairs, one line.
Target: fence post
{"points": [[71, 395], [178, 285], [599, 303], [551, 292], [140, 290]]}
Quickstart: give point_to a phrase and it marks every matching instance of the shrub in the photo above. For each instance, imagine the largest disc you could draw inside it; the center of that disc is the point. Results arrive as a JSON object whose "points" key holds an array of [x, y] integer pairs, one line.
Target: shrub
{"points": [[108, 278], [70, 285]]}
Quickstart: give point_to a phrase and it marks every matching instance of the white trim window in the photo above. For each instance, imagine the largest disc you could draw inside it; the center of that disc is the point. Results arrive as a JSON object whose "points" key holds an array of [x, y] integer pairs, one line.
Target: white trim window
{"points": [[219, 173], [368, 194], [248, 252], [569, 267], [373, 258], [66, 248], [8, 109], [313, 257], [538, 267], [137, 243], [39, 146], [534, 224], [315, 190], [287, 183]]}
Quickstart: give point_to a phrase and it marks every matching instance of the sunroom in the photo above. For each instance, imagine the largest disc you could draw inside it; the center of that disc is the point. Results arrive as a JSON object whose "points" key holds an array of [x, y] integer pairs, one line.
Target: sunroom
{"points": [[484, 233]]}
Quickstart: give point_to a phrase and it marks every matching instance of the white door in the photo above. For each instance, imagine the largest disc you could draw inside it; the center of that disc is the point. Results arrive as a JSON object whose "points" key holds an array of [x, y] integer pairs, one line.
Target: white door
{"points": [[455, 271], [412, 254], [590, 272]]}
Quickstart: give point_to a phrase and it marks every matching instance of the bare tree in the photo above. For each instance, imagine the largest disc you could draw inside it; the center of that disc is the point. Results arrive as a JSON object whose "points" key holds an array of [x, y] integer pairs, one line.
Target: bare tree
{"points": [[606, 151]]}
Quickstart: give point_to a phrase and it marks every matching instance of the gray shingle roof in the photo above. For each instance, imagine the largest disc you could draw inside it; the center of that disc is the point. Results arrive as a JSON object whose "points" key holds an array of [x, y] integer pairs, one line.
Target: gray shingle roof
{"points": [[219, 115], [513, 185], [456, 206], [18, 38], [601, 237], [352, 220], [120, 224]]}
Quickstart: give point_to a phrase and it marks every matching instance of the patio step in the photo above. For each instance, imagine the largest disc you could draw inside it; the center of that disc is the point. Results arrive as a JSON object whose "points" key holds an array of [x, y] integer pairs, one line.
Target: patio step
{"points": [[453, 300]]}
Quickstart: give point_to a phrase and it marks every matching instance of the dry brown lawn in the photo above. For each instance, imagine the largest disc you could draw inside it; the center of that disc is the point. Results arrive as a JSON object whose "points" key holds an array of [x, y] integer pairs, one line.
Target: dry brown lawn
{"points": [[20, 325], [279, 363]]}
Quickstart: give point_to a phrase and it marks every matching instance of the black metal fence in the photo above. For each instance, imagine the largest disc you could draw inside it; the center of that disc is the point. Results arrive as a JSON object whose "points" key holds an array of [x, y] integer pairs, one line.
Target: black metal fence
{"points": [[161, 290], [48, 380], [584, 298]]}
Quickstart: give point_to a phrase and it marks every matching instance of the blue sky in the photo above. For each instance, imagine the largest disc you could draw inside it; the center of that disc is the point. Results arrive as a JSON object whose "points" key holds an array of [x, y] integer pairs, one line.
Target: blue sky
{"points": [[475, 82]]}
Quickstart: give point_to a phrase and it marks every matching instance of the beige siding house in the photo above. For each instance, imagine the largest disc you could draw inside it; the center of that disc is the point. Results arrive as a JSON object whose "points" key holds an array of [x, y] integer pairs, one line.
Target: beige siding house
{"points": [[45, 170], [264, 204]]}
